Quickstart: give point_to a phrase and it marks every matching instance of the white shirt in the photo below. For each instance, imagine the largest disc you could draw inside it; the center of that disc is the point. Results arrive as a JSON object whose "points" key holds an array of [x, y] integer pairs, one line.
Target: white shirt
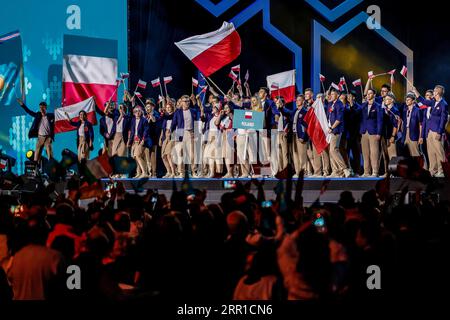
{"points": [[81, 130], [109, 124], [119, 126], [188, 125], [136, 127], [280, 123], [44, 127], [168, 124], [294, 124], [408, 116]]}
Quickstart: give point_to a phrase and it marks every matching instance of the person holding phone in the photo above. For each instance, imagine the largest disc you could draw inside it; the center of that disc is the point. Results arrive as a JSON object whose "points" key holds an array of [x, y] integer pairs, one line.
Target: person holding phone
{"points": [[85, 136]]}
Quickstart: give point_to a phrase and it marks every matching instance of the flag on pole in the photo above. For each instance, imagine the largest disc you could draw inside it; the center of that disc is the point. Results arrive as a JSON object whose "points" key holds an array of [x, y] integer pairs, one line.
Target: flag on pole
{"points": [[247, 76], [155, 83], [195, 82], [204, 88], [317, 129], [11, 70], [61, 123], [236, 68], [335, 86], [124, 75], [284, 85], [142, 84], [322, 77], [89, 70], [357, 82], [168, 79], [233, 76], [404, 71], [370, 74], [138, 94], [342, 83], [212, 51]]}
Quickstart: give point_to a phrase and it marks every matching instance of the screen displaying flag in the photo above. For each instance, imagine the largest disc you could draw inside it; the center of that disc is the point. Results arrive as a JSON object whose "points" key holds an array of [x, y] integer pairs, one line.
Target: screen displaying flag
{"points": [[282, 84], [248, 115], [317, 129], [212, 51], [168, 79], [357, 82], [248, 119], [11, 69], [195, 82], [155, 82], [404, 71], [142, 84], [89, 70], [322, 77], [61, 123]]}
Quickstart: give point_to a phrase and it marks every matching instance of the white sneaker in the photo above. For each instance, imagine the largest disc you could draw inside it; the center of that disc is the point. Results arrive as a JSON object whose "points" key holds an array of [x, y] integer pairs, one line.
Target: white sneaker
{"points": [[347, 173], [439, 175], [365, 175], [295, 176], [228, 175], [374, 175]]}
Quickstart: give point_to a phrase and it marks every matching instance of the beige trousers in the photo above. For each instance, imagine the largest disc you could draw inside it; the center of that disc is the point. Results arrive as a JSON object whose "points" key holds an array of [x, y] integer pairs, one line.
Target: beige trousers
{"points": [[338, 164], [83, 149], [41, 142], [282, 150], [436, 153], [371, 153], [119, 148], [137, 152], [300, 155], [413, 146]]}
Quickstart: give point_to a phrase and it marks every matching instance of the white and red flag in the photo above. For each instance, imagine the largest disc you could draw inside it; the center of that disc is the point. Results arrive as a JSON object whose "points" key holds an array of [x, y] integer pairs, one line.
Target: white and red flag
{"points": [[248, 115], [357, 82], [214, 50], [195, 82], [317, 129], [335, 86], [234, 76], [236, 68], [124, 75], [155, 82], [168, 79], [142, 84], [204, 89], [404, 71], [89, 70], [286, 85], [61, 123], [138, 94], [322, 77]]}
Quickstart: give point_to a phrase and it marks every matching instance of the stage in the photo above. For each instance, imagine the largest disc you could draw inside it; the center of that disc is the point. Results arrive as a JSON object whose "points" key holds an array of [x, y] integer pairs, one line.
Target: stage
{"points": [[311, 189]]}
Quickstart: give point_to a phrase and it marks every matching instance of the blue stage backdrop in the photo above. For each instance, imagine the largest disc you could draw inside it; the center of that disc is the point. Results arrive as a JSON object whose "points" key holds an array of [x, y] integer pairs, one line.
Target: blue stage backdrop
{"points": [[42, 25]]}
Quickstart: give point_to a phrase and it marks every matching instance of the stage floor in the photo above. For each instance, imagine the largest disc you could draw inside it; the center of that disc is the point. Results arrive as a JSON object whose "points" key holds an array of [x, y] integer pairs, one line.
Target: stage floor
{"points": [[311, 190]]}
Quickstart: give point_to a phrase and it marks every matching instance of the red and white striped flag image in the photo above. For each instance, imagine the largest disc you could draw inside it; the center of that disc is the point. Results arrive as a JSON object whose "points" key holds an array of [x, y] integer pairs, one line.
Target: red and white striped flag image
{"points": [[317, 129], [248, 115], [282, 84], [142, 84], [61, 123], [155, 82], [236, 68], [404, 71], [370, 74], [357, 82], [214, 50], [322, 77], [89, 70], [168, 79], [195, 82]]}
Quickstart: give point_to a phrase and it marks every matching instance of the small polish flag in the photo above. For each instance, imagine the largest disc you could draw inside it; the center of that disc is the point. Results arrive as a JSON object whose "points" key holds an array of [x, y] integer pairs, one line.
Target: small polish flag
{"points": [[142, 84], [422, 106], [404, 71], [168, 79], [392, 71], [370, 74], [124, 75], [3, 163], [236, 68], [195, 82], [357, 82], [233, 75], [137, 94], [335, 86], [156, 83], [248, 115], [247, 76], [342, 81], [204, 89], [322, 77]]}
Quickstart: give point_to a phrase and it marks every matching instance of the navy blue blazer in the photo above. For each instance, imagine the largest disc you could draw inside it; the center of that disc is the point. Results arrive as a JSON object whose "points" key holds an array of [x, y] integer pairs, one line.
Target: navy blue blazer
{"points": [[371, 122], [178, 121], [34, 129], [336, 112], [270, 110], [142, 131], [390, 121], [414, 123], [88, 131], [104, 127], [164, 118], [438, 116]]}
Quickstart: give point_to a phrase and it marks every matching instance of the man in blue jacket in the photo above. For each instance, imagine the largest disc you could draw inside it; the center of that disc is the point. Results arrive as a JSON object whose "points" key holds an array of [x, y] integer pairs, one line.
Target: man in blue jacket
{"points": [[411, 126], [138, 140], [42, 128], [335, 115], [435, 119], [108, 123], [371, 129], [300, 137], [183, 124]]}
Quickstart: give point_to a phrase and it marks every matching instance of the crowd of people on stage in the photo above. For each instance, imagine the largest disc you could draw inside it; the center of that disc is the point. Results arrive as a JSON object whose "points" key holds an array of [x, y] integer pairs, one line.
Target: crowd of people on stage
{"points": [[197, 135], [245, 247]]}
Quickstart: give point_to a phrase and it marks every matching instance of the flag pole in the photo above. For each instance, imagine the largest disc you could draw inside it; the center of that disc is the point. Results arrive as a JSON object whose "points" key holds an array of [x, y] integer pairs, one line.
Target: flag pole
{"points": [[323, 87], [141, 101], [216, 86], [362, 91], [160, 89], [134, 93], [346, 86], [165, 88]]}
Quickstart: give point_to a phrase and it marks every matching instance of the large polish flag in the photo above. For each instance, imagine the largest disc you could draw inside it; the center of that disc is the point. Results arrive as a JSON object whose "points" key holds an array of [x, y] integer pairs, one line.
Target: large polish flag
{"points": [[214, 50], [317, 129], [89, 70], [61, 122], [286, 85]]}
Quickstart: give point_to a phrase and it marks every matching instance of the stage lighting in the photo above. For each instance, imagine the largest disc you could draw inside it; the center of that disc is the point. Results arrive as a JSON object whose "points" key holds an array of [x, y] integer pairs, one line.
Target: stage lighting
{"points": [[30, 155], [7, 162]]}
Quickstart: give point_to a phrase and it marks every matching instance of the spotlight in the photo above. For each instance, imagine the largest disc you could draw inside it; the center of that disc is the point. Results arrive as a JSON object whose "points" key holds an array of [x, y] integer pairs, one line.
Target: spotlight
{"points": [[30, 155]]}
